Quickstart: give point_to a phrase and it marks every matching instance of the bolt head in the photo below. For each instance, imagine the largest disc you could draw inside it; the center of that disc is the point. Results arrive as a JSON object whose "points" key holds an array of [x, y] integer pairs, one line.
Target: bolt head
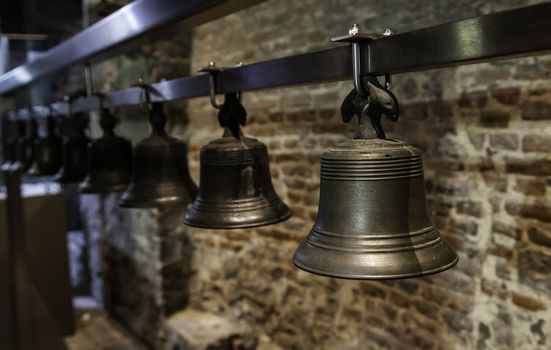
{"points": [[354, 30]]}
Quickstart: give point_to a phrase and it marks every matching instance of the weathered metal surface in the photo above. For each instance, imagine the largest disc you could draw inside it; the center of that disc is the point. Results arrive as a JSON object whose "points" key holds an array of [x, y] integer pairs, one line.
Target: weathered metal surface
{"points": [[236, 185], [373, 221]]}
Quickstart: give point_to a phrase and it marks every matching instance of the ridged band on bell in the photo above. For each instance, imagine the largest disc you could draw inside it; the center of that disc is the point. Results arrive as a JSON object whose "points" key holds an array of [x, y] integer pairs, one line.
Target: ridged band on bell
{"points": [[236, 189], [373, 220]]}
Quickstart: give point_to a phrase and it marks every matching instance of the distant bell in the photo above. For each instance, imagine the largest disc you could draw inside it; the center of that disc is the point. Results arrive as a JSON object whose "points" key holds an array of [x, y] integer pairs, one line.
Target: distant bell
{"points": [[160, 171], [46, 151], [236, 188], [373, 220], [9, 137], [23, 148], [75, 150], [109, 160]]}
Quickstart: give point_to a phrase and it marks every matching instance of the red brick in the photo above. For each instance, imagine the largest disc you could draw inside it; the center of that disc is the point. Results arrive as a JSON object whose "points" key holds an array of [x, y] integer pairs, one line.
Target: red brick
{"points": [[536, 186], [507, 96], [527, 302], [470, 208], [494, 118], [536, 110], [536, 143], [540, 237], [289, 157], [504, 141], [541, 167], [505, 229], [530, 211]]}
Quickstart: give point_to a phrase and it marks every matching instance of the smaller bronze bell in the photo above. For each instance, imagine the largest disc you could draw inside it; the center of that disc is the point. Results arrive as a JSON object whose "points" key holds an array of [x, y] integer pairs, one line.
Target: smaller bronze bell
{"points": [[23, 150], [75, 150], [160, 174], [46, 151], [236, 188], [109, 160]]}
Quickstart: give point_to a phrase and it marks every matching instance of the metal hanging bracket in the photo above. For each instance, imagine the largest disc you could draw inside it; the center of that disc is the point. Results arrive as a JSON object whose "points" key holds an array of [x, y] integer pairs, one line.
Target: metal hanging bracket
{"points": [[213, 72], [145, 94], [369, 100], [106, 119], [358, 42]]}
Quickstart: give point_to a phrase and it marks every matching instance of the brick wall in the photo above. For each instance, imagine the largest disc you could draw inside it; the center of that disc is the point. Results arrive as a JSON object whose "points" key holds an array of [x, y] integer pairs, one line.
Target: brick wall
{"points": [[485, 134]]}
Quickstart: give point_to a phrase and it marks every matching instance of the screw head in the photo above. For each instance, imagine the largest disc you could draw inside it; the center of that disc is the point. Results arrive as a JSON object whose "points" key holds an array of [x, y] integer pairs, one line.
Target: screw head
{"points": [[354, 30], [387, 32]]}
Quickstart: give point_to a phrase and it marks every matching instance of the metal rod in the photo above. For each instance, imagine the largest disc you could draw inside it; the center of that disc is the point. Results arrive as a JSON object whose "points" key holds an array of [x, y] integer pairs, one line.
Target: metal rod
{"points": [[25, 37], [21, 289], [131, 26], [519, 32], [514, 33]]}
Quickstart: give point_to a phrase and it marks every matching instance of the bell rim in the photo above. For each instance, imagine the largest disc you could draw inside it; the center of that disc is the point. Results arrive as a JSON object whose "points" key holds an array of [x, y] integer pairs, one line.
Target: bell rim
{"points": [[270, 221], [376, 277]]}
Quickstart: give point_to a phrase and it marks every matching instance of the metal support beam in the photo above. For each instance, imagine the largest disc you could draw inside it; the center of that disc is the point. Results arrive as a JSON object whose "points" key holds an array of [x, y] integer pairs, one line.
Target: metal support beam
{"points": [[135, 24], [514, 33]]}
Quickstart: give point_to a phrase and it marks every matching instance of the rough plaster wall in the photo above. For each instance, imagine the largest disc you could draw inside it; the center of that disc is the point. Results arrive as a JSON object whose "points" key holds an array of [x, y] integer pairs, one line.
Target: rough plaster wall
{"points": [[484, 130]]}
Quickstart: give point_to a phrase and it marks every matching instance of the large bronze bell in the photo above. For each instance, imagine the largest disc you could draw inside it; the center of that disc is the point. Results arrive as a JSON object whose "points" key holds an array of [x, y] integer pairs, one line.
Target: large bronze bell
{"points": [[109, 160], [160, 172], [46, 151], [23, 148], [236, 189], [373, 220], [75, 150]]}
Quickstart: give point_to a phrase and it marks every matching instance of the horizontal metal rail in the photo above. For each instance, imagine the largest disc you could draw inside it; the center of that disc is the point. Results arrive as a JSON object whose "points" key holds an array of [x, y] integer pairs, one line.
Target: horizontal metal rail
{"points": [[519, 32], [137, 23]]}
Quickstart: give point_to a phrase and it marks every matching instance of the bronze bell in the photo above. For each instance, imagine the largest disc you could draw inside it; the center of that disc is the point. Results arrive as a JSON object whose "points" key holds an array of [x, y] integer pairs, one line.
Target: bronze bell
{"points": [[109, 160], [373, 220], [23, 148], [160, 172], [236, 189], [75, 150], [46, 151], [8, 142]]}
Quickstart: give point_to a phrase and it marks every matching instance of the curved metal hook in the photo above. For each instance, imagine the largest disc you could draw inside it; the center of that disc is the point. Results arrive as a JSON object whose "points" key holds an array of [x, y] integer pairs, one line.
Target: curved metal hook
{"points": [[213, 71], [145, 96], [69, 101], [357, 69]]}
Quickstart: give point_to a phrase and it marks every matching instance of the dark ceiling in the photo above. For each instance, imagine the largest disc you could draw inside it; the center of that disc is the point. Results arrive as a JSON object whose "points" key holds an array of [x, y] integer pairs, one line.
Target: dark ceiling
{"points": [[55, 18]]}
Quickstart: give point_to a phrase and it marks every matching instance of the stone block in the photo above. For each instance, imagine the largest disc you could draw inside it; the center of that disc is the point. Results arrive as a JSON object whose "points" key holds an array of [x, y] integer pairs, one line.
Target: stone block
{"points": [[196, 330]]}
